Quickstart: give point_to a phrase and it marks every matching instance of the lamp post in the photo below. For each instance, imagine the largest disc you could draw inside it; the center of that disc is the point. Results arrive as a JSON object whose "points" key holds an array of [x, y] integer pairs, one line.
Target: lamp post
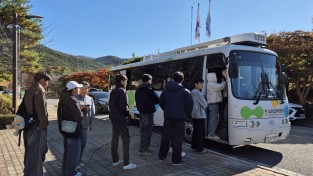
{"points": [[15, 54]]}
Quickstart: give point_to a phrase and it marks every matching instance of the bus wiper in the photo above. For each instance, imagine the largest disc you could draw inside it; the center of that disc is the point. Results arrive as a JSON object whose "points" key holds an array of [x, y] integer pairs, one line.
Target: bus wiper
{"points": [[271, 85], [263, 87]]}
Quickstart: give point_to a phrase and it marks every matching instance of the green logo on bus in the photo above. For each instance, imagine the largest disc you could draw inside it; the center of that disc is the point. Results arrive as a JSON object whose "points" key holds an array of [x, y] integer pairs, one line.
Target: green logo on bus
{"points": [[246, 112]]}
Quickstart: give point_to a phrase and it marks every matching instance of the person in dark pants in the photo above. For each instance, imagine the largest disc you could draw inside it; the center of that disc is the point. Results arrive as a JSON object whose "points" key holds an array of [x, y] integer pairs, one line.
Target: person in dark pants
{"points": [[70, 113], [119, 114], [177, 104], [35, 136], [198, 116], [146, 100]]}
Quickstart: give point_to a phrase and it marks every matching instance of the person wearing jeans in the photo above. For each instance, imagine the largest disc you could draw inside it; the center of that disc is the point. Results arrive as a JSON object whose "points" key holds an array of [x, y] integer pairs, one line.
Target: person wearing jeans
{"points": [[146, 99], [119, 113], [69, 110], [214, 96], [88, 108]]}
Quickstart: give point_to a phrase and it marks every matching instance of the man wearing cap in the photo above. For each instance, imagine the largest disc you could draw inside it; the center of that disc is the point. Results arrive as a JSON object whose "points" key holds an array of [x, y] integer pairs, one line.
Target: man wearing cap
{"points": [[35, 136], [70, 119]]}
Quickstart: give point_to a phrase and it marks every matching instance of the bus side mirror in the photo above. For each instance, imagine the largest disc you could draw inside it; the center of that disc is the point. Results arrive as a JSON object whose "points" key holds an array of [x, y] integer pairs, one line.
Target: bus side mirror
{"points": [[233, 70]]}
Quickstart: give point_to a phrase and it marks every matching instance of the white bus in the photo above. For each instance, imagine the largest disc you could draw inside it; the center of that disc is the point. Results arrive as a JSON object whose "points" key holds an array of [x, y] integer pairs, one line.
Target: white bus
{"points": [[257, 105]]}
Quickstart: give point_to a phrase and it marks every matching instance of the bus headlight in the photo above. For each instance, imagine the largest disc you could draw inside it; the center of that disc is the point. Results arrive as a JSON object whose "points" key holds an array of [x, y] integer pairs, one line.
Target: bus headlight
{"points": [[257, 123], [251, 124], [286, 121], [283, 121], [240, 124]]}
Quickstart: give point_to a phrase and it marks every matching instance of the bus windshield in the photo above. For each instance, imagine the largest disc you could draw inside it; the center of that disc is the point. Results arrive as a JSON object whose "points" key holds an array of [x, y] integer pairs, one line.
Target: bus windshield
{"points": [[259, 77]]}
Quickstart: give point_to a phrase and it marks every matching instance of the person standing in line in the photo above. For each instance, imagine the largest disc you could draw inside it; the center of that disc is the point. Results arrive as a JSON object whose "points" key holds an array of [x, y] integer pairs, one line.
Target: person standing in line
{"points": [[35, 136], [198, 115], [146, 100], [214, 96], [70, 118], [88, 108], [177, 105], [119, 113]]}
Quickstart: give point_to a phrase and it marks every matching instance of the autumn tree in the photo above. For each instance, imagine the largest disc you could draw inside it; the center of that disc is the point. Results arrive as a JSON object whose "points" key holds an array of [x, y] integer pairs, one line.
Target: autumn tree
{"points": [[99, 79], [295, 51], [30, 35]]}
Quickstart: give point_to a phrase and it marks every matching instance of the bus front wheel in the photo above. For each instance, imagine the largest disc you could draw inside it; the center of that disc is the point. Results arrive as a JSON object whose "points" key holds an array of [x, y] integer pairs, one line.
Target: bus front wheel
{"points": [[188, 131]]}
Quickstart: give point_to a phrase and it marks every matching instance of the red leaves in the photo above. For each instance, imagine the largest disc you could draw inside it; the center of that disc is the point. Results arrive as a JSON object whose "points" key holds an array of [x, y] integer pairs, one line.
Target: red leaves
{"points": [[98, 79]]}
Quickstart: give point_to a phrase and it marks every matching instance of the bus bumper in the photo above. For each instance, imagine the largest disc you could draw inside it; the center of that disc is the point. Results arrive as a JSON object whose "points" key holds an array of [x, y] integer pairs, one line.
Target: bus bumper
{"points": [[257, 131]]}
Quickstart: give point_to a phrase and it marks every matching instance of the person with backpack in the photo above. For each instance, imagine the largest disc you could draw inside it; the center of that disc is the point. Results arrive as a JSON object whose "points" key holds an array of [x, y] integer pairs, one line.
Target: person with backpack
{"points": [[146, 100], [88, 108], [198, 116], [177, 105], [35, 132], [70, 118], [119, 113]]}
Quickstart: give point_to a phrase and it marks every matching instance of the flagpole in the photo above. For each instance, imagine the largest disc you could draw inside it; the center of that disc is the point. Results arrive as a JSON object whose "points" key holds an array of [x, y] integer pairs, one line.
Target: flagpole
{"points": [[191, 25]]}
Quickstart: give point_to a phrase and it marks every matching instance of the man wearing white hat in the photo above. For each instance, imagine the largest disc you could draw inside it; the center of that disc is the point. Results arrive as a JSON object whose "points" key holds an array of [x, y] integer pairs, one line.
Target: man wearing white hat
{"points": [[70, 126]]}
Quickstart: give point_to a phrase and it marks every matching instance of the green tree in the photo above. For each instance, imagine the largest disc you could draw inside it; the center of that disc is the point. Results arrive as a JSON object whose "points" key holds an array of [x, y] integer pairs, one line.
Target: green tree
{"points": [[295, 51], [30, 36]]}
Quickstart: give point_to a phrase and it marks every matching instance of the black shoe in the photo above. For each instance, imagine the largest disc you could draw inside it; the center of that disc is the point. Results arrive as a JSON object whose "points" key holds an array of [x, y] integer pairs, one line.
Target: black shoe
{"points": [[181, 162]]}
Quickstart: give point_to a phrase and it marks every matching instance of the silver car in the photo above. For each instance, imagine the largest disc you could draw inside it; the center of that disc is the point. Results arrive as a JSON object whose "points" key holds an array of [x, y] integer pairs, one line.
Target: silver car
{"points": [[296, 112]]}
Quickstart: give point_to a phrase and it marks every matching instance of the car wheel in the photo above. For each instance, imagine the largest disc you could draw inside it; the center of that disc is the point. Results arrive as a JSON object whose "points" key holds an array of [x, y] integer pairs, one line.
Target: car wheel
{"points": [[188, 131], [98, 109]]}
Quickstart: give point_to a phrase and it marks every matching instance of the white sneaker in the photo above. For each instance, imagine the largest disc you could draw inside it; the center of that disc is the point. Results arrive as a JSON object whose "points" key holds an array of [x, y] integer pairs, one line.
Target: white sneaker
{"points": [[214, 137], [81, 164], [182, 153], [78, 174], [117, 163], [130, 166]]}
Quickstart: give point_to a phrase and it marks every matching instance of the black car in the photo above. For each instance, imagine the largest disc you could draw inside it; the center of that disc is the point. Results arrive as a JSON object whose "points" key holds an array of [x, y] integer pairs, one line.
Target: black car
{"points": [[101, 100]]}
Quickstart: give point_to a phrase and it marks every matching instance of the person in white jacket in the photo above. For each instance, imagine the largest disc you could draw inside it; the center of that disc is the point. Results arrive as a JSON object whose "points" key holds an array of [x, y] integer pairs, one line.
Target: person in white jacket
{"points": [[214, 97]]}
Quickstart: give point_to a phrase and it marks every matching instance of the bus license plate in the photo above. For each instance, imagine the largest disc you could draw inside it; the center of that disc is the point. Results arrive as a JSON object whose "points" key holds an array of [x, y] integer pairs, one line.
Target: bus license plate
{"points": [[271, 137]]}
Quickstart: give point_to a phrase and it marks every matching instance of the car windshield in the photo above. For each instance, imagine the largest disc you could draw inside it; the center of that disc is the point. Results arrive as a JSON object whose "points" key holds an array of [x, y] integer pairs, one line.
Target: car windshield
{"points": [[259, 77], [102, 95]]}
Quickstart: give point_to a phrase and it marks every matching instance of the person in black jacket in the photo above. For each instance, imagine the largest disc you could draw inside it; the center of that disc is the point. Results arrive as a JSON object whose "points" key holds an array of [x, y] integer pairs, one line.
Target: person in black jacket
{"points": [[70, 112], [146, 100], [118, 114], [176, 102]]}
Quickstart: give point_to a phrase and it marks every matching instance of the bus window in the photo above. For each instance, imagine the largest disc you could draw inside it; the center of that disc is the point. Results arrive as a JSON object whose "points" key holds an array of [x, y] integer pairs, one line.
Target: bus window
{"points": [[216, 60]]}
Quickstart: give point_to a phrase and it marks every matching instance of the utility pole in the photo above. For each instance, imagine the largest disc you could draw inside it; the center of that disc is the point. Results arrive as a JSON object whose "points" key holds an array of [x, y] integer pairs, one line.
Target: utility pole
{"points": [[14, 85]]}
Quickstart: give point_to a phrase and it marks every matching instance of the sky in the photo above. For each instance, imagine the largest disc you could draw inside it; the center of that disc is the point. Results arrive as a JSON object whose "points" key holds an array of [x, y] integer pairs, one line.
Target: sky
{"points": [[96, 28]]}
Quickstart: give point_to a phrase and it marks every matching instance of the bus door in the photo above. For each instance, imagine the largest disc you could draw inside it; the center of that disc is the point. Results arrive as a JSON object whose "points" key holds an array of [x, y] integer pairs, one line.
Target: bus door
{"points": [[216, 64]]}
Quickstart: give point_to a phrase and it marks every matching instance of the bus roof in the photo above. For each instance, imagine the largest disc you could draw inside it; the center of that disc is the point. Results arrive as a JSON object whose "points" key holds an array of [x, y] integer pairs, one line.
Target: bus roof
{"points": [[247, 41]]}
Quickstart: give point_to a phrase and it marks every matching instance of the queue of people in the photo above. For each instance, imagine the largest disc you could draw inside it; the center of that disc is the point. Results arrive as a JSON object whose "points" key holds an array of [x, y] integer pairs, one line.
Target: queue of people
{"points": [[76, 113]]}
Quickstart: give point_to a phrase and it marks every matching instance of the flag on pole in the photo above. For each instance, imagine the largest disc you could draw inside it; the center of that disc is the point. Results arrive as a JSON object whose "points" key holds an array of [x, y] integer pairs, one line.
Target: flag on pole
{"points": [[198, 25], [208, 22]]}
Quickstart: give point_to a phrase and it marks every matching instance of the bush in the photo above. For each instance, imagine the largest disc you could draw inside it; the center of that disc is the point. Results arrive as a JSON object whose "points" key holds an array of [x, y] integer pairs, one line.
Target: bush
{"points": [[6, 104], [5, 120]]}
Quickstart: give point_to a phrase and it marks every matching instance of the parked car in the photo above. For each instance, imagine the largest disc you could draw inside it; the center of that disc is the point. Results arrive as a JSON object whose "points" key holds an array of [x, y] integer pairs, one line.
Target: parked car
{"points": [[7, 92], [92, 89], [296, 112], [101, 100]]}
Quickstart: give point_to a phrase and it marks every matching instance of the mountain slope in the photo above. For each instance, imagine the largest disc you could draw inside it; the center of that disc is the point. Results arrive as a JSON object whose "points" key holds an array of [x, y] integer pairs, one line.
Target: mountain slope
{"points": [[51, 59]]}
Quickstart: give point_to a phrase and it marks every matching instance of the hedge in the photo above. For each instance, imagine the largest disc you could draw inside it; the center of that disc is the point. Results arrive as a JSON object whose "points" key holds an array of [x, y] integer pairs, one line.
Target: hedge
{"points": [[5, 120], [5, 104]]}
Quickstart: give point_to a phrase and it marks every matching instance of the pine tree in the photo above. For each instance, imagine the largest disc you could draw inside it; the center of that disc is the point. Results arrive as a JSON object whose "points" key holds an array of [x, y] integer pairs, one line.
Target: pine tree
{"points": [[30, 36]]}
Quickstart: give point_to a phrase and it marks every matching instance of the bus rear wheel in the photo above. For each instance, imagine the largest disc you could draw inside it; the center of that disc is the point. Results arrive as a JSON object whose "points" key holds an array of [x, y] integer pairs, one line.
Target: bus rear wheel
{"points": [[188, 131]]}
